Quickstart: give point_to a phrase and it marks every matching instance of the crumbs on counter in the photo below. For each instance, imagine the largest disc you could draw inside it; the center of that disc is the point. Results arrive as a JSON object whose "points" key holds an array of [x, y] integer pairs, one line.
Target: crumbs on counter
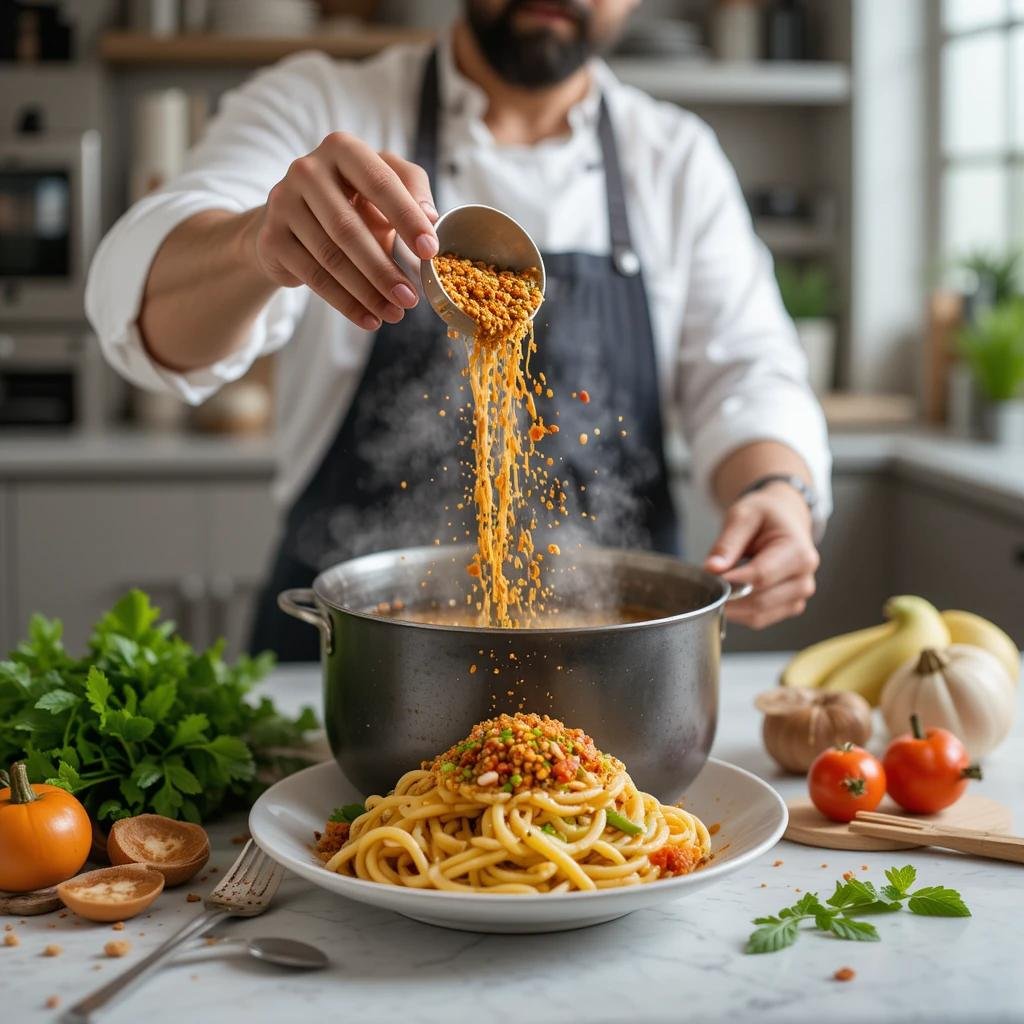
{"points": [[824, 865], [863, 867], [117, 947], [847, 875], [242, 837], [845, 974], [8, 927], [764, 885], [53, 950], [63, 914], [777, 863], [11, 939], [193, 897], [118, 926], [52, 1002], [715, 828]]}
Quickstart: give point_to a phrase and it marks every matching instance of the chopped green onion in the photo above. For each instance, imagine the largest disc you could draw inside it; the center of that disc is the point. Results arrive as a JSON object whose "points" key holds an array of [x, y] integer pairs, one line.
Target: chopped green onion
{"points": [[506, 735], [537, 731], [507, 788], [467, 773], [623, 824], [549, 829], [447, 766], [516, 780], [581, 775]]}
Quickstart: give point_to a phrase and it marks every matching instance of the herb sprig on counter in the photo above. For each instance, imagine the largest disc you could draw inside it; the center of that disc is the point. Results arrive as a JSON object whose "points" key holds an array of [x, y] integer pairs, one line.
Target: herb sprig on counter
{"points": [[838, 914], [142, 722]]}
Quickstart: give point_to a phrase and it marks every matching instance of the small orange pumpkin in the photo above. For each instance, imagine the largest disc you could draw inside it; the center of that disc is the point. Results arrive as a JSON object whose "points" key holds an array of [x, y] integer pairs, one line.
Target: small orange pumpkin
{"points": [[45, 834]]}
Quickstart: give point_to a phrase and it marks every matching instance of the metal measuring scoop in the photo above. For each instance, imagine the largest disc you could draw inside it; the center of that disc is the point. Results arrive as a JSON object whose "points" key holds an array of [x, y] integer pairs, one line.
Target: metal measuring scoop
{"points": [[284, 952], [475, 233]]}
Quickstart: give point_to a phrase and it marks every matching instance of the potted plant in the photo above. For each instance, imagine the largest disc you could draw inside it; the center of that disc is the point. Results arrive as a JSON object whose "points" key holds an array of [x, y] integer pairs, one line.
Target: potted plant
{"points": [[809, 298], [993, 348]]}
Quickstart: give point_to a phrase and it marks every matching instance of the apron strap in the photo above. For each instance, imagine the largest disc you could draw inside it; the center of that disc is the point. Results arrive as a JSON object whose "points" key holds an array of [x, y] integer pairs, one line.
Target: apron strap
{"points": [[425, 144], [624, 255], [425, 153]]}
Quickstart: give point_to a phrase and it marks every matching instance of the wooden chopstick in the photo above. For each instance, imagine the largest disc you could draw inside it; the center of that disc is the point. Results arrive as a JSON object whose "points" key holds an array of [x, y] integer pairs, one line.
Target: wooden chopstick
{"points": [[977, 842]]}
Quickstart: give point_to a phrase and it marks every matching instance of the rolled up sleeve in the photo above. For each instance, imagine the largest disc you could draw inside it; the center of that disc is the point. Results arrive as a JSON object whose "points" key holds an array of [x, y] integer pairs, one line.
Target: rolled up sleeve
{"points": [[260, 128], [742, 372]]}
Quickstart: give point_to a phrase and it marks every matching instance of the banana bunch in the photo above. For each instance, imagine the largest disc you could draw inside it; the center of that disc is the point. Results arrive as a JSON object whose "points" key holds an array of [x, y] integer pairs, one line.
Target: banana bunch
{"points": [[862, 661]]}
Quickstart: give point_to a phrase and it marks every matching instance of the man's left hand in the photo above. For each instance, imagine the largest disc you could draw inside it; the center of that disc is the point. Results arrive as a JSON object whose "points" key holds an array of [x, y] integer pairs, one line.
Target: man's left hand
{"points": [[771, 528]]}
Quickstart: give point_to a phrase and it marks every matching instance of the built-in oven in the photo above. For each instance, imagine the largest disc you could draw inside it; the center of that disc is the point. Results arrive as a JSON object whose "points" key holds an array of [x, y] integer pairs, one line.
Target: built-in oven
{"points": [[49, 224]]}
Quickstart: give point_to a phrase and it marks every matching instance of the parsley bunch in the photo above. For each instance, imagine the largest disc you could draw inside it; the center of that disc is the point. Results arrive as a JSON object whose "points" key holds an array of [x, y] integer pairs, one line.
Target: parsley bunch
{"points": [[143, 722], [837, 915]]}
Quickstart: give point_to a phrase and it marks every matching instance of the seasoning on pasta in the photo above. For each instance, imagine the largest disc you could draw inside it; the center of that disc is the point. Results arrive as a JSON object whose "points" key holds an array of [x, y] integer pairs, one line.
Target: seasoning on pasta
{"points": [[501, 303], [522, 805]]}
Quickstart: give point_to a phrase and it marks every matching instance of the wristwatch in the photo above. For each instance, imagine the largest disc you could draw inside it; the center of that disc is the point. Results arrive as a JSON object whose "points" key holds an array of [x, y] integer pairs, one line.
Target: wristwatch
{"points": [[791, 479]]}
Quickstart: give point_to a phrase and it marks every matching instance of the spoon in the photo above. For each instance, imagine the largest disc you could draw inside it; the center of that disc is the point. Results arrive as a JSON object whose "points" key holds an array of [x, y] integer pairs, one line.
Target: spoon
{"points": [[285, 952], [476, 233]]}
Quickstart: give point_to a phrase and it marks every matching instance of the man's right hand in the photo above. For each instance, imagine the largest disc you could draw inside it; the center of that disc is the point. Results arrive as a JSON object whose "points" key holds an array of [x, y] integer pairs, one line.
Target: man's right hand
{"points": [[330, 224]]}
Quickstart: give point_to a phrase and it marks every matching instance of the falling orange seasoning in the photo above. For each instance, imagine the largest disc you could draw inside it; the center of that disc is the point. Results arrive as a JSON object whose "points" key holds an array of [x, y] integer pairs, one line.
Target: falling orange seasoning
{"points": [[537, 433], [584, 439], [553, 549], [584, 397]]}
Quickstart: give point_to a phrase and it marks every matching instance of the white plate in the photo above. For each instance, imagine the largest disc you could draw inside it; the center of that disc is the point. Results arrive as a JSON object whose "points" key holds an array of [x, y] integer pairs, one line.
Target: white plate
{"points": [[752, 818]]}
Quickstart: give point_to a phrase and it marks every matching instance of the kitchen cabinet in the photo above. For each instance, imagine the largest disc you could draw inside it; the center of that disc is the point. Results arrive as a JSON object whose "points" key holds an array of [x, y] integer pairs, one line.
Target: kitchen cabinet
{"points": [[242, 530], [6, 584], [960, 555], [197, 548]]}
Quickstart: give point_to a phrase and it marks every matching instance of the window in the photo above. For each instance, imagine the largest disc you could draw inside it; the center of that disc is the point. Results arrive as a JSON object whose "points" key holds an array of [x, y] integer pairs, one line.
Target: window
{"points": [[981, 127]]}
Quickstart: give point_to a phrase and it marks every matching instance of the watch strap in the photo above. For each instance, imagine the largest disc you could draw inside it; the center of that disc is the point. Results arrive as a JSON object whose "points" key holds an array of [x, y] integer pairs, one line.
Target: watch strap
{"points": [[790, 479]]}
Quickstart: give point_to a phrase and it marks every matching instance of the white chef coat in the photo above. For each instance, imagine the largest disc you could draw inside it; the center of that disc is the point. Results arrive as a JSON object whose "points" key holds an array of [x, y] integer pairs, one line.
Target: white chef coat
{"points": [[730, 367]]}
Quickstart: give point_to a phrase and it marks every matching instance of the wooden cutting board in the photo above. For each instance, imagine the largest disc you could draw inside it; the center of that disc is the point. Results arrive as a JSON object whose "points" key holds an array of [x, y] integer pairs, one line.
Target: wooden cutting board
{"points": [[808, 826]]}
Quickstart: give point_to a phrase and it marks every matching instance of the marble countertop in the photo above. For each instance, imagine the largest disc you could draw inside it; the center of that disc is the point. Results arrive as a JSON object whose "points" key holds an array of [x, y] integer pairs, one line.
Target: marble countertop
{"points": [[681, 962]]}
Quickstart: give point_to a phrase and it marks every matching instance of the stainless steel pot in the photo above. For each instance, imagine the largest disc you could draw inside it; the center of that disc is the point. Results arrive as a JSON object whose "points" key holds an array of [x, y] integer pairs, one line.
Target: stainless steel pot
{"points": [[398, 692]]}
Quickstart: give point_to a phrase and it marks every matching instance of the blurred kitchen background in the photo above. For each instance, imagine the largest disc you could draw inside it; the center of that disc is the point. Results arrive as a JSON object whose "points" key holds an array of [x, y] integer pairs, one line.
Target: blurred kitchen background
{"points": [[881, 148]]}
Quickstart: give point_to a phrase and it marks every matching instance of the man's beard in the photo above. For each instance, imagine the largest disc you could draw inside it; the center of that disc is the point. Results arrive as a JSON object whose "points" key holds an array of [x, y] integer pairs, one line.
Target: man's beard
{"points": [[532, 59]]}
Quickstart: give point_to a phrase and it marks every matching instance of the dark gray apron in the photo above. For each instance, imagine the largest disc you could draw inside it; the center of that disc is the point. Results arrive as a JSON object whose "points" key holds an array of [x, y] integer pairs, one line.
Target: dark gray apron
{"points": [[593, 334]]}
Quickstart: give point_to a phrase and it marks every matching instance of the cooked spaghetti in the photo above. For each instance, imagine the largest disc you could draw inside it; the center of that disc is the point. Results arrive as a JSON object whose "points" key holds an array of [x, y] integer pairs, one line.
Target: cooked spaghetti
{"points": [[522, 805], [501, 303]]}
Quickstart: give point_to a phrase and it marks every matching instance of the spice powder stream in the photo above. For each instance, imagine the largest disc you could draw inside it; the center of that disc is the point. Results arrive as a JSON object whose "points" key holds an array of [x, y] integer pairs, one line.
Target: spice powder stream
{"points": [[501, 303]]}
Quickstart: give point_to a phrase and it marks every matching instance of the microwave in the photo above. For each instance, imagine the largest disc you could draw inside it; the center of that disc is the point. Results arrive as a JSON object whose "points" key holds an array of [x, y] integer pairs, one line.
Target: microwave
{"points": [[49, 224]]}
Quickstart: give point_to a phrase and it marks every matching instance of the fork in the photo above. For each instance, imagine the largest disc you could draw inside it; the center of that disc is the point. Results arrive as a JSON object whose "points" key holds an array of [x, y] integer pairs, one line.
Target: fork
{"points": [[245, 891]]}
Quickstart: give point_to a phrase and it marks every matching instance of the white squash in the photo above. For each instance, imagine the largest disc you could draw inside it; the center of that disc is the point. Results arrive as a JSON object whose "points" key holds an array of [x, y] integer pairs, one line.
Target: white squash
{"points": [[964, 689]]}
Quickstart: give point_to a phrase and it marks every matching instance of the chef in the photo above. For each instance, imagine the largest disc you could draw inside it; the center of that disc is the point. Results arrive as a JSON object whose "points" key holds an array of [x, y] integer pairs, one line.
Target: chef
{"points": [[660, 302]]}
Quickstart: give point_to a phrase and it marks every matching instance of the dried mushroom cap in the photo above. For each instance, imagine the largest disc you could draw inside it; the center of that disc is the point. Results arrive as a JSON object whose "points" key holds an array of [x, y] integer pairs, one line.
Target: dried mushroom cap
{"points": [[177, 849], [112, 894]]}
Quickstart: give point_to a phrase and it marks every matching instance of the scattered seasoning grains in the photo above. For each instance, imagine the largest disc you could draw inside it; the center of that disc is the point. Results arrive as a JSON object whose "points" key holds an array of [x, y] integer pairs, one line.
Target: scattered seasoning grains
{"points": [[8, 927], [10, 939], [824, 865], [52, 1002], [584, 439], [53, 950], [777, 864], [863, 867], [243, 837], [714, 828], [847, 875], [845, 974], [764, 885], [118, 926], [117, 947], [193, 897]]}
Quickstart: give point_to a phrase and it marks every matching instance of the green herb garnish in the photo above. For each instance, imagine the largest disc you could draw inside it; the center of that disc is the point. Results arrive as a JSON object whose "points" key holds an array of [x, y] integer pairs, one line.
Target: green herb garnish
{"points": [[447, 766], [548, 829], [837, 915], [623, 824], [516, 780], [505, 735], [142, 722], [348, 813]]}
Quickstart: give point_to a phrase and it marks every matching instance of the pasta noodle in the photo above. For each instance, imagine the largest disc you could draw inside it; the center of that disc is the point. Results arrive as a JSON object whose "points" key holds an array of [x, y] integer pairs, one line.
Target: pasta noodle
{"points": [[487, 817]]}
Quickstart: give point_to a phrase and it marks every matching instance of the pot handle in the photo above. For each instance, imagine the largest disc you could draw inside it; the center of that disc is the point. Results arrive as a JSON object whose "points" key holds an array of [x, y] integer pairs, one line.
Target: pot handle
{"points": [[299, 603], [738, 593]]}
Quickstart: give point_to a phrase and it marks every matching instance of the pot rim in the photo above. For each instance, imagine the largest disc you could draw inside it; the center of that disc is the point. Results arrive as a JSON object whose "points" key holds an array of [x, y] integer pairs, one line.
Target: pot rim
{"points": [[430, 553]]}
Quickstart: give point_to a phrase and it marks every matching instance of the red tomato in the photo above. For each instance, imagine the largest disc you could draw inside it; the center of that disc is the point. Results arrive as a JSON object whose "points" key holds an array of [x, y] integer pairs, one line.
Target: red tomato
{"points": [[927, 770], [844, 780]]}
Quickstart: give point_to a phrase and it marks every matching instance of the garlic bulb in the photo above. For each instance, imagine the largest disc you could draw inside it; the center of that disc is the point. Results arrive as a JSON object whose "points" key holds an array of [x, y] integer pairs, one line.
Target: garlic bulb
{"points": [[964, 689], [800, 723]]}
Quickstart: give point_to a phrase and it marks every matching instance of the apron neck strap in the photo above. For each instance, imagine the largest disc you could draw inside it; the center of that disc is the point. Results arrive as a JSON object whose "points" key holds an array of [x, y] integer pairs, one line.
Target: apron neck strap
{"points": [[425, 153]]}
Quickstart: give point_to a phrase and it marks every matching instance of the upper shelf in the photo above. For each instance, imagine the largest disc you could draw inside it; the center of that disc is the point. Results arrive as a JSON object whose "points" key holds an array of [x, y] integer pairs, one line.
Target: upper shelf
{"points": [[684, 81], [136, 48], [799, 83]]}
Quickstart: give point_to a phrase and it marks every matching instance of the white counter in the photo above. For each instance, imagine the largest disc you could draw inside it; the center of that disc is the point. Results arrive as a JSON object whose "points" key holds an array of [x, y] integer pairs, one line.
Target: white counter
{"points": [[989, 475], [681, 962]]}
